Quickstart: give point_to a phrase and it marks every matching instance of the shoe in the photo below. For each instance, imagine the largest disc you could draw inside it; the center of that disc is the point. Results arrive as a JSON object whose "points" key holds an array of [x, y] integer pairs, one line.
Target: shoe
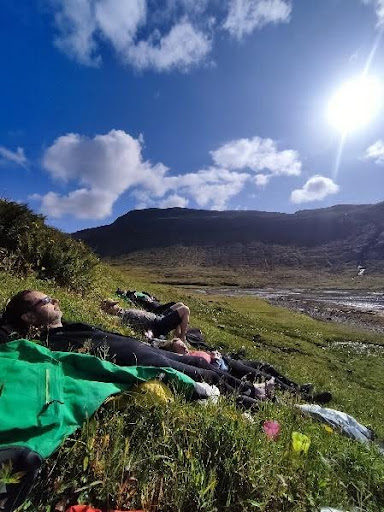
{"points": [[322, 398], [306, 388]]}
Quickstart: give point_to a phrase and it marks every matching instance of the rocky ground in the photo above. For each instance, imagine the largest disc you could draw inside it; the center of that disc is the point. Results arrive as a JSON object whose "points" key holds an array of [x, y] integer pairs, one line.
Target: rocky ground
{"points": [[367, 320]]}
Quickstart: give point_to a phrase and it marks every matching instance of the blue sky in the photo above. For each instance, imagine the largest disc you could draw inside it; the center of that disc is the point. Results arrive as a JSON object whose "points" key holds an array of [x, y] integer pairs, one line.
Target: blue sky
{"points": [[111, 105]]}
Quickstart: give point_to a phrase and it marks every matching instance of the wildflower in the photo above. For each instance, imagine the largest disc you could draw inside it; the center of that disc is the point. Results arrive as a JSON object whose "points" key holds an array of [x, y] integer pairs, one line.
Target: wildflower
{"points": [[272, 430], [300, 443]]}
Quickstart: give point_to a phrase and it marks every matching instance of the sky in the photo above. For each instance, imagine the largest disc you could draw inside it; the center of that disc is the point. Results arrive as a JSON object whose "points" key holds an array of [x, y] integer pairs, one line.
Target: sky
{"points": [[112, 105]]}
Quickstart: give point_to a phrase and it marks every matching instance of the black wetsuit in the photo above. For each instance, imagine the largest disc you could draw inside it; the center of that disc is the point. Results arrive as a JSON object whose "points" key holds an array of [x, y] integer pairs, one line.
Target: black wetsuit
{"points": [[128, 351], [255, 370]]}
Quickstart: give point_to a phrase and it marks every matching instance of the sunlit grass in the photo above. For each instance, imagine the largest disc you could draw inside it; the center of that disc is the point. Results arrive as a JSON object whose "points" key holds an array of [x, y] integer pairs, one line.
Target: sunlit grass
{"points": [[187, 457]]}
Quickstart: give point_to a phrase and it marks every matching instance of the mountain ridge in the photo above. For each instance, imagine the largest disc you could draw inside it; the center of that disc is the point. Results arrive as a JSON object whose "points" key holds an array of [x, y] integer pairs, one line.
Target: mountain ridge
{"points": [[335, 236]]}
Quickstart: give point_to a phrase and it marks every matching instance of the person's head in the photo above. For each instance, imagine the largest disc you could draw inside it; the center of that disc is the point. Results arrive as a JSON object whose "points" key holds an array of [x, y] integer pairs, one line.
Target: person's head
{"points": [[31, 308], [110, 306], [176, 345], [179, 347]]}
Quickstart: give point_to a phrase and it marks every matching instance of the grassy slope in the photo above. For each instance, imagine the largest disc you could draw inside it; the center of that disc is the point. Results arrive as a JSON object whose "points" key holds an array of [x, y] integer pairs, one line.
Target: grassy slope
{"points": [[184, 457]]}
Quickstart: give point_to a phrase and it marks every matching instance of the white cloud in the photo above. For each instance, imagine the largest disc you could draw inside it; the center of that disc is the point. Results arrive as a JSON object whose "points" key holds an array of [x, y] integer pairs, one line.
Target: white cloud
{"points": [[212, 187], [174, 201], [84, 24], [183, 47], [75, 22], [379, 9], [209, 188], [376, 152], [245, 16], [315, 189], [118, 21], [173, 34], [102, 168], [98, 170], [17, 157], [262, 180], [107, 162], [258, 154], [82, 203]]}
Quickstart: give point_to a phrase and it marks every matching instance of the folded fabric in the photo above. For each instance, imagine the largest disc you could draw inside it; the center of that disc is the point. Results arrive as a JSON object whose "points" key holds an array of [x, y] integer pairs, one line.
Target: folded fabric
{"points": [[339, 420], [330, 509], [46, 396]]}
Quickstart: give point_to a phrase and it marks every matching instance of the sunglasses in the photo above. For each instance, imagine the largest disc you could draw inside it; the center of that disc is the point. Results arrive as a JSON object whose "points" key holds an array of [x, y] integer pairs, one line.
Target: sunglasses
{"points": [[42, 302]]}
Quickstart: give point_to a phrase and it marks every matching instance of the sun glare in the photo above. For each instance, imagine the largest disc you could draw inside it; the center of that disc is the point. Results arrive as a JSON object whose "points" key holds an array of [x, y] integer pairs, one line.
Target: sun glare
{"points": [[355, 104]]}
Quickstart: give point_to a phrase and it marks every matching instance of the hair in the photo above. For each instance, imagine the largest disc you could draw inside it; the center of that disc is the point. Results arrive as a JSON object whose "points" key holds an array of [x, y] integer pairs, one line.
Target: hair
{"points": [[15, 309], [167, 345]]}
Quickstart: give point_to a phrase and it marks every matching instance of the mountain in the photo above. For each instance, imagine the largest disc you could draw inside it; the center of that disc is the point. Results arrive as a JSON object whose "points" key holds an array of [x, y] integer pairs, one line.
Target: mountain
{"points": [[339, 236]]}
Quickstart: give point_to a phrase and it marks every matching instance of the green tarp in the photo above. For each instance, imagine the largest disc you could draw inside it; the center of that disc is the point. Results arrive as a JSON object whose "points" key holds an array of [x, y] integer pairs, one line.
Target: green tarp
{"points": [[45, 395]]}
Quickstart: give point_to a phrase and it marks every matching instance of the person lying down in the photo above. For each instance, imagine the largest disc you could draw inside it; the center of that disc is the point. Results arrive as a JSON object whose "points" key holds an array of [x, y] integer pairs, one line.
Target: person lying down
{"points": [[34, 310], [250, 371], [174, 318]]}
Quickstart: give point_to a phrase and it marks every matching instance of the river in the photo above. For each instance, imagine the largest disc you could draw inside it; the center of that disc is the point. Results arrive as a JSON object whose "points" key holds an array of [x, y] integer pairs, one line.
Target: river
{"points": [[359, 309], [360, 300]]}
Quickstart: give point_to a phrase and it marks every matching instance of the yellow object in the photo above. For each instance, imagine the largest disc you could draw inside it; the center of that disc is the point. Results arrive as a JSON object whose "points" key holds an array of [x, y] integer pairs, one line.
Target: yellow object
{"points": [[300, 443], [153, 391], [328, 429]]}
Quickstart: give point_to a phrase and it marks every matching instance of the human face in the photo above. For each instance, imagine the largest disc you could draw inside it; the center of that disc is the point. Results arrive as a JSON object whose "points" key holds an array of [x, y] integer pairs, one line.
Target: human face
{"points": [[44, 310], [179, 347]]}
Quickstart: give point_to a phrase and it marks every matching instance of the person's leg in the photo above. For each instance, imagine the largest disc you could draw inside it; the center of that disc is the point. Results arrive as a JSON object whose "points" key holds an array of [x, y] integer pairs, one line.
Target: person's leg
{"points": [[177, 305], [183, 312], [226, 378], [164, 324], [257, 369], [162, 309], [270, 371], [126, 351], [177, 319]]}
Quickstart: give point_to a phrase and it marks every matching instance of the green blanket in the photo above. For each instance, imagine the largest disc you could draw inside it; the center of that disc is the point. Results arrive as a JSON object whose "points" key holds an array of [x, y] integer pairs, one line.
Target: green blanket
{"points": [[45, 395]]}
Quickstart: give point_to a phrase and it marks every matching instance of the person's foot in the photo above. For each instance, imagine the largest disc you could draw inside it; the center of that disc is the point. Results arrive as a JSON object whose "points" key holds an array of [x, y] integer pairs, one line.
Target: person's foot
{"points": [[265, 389], [260, 391], [270, 387]]}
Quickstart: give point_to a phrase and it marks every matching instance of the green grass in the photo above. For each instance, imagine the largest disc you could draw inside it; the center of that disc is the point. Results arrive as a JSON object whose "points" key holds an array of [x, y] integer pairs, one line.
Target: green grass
{"points": [[183, 274], [189, 457]]}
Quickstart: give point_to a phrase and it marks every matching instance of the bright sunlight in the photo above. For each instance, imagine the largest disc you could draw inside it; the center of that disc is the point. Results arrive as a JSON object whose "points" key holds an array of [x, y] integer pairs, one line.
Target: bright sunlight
{"points": [[355, 104]]}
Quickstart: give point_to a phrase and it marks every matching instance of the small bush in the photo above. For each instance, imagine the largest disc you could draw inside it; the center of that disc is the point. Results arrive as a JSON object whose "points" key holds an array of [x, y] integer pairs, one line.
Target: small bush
{"points": [[27, 245]]}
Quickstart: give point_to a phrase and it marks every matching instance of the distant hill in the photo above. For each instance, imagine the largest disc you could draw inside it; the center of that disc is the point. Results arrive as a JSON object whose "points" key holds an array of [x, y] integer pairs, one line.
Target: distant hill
{"points": [[335, 237]]}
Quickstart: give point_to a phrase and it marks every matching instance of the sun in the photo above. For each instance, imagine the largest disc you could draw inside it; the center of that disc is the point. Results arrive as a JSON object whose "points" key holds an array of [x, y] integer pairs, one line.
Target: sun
{"points": [[355, 104]]}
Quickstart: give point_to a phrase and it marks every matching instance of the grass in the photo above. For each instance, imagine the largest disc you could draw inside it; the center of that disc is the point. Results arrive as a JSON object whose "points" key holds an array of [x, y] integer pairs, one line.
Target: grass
{"points": [[183, 274], [188, 457]]}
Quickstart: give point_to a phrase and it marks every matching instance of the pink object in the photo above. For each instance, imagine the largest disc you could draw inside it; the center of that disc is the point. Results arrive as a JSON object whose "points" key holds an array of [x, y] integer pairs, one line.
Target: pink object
{"points": [[272, 429], [203, 355]]}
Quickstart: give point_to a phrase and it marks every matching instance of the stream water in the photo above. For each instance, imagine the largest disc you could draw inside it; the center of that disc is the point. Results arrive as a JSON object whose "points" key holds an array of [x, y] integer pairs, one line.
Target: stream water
{"points": [[358, 300]]}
